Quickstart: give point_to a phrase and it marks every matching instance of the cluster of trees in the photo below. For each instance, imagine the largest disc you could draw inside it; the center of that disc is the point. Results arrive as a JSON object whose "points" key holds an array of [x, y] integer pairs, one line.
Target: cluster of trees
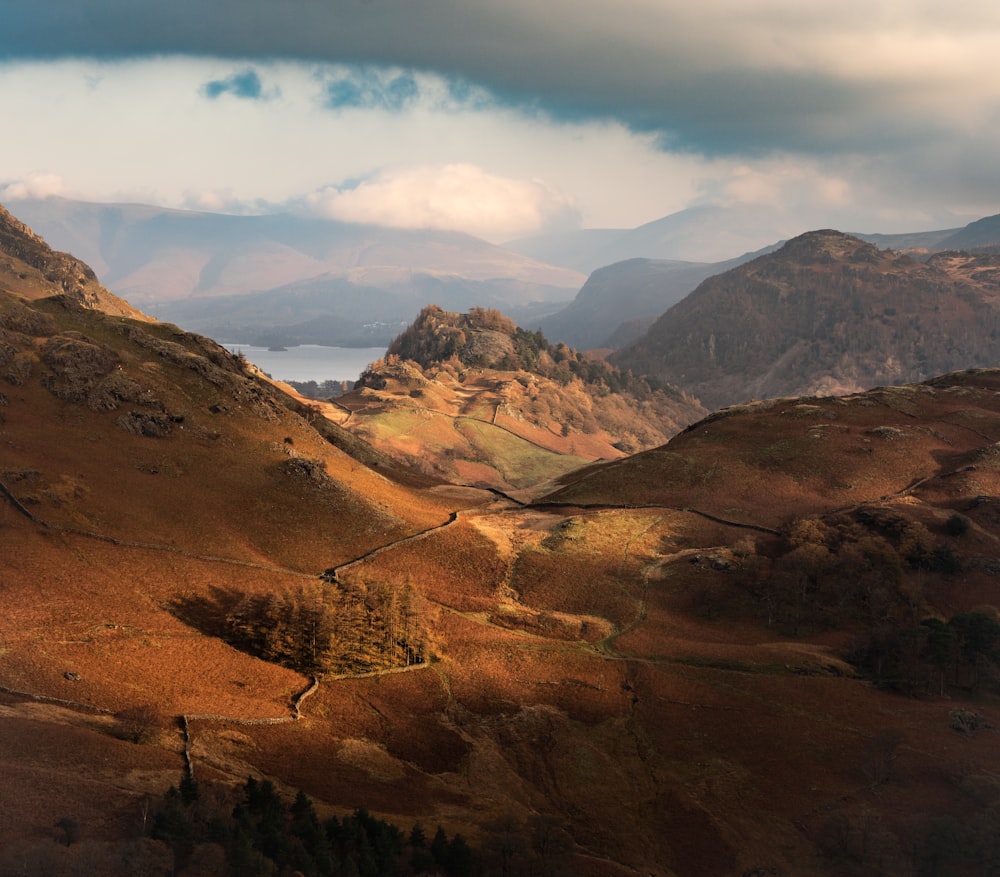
{"points": [[929, 657], [845, 568], [262, 836], [334, 628], [324, 390], [859, 568], [923, 845]]}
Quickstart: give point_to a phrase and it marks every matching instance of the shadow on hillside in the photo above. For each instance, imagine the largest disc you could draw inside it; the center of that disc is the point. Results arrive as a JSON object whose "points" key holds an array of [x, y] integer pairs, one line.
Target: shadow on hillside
{"points": [[208, 614]]}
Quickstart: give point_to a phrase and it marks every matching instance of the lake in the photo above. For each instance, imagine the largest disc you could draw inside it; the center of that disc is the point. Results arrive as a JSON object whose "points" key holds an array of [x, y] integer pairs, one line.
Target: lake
{"points": [[309, 362]]}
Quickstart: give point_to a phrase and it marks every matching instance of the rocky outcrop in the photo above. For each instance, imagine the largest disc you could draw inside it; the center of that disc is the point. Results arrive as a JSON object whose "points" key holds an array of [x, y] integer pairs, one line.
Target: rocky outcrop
{"points": [[29, 258]]}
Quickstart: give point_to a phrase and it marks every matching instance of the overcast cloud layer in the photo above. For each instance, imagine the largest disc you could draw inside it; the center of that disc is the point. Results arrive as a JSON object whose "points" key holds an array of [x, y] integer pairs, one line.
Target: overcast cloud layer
{"points": [[606, 112]]}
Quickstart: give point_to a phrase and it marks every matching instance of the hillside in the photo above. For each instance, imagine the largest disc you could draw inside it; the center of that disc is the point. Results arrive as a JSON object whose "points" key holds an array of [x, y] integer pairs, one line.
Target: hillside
{"points": [[767, 647], [827, 313], [30, 268], [474, 399]]}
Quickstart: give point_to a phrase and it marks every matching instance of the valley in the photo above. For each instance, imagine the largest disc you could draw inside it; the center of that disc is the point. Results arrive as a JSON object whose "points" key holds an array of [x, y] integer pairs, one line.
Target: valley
{"points": [[764, 642]]}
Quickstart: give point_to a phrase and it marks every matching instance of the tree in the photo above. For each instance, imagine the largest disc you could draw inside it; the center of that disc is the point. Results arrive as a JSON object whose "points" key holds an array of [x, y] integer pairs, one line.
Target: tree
{"points": [[172, 825], [978, 637], [957, 525], [189, 789]]}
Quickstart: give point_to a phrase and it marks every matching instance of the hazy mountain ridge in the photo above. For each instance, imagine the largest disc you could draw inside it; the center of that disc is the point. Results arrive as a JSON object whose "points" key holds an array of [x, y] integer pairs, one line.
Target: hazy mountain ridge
{"points": [[194, 268], [705, 234], [617, 302], [351, 311], [827, 313], [620, 301]]}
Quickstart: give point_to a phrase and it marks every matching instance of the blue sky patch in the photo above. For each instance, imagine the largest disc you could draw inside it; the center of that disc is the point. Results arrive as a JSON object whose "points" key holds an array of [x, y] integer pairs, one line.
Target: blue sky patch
{"points": [[245, 84], [368, 89]]}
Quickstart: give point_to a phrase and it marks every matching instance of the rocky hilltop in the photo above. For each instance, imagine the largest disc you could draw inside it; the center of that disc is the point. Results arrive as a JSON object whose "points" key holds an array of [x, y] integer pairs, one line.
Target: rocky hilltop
{"points": [[827, 313], [473, 398]]}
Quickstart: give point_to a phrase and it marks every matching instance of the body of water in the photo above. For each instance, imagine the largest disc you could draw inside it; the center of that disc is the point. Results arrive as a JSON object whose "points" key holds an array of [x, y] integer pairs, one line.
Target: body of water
{"points": [[310, 362]]}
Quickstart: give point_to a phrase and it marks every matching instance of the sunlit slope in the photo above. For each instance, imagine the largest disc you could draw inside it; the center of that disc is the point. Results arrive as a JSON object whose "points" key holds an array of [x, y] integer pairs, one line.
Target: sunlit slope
{"points": [[771, 461]]}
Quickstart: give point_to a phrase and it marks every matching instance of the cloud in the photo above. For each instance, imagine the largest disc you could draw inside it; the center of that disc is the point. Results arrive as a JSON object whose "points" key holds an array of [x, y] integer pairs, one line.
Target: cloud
{"points": [[38, 185], [152, 136], [720, 77], [219, 201], [454, 196], [245, 84]]}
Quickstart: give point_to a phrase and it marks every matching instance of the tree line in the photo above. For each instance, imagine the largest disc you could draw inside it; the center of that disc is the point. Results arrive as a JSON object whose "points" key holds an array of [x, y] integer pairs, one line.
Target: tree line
{"points": [[263, 836], [859, 568]]}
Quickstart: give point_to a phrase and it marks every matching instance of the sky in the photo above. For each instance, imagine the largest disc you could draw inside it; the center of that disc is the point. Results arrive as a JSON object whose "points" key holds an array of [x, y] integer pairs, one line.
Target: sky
{"points": [[509, 118]]}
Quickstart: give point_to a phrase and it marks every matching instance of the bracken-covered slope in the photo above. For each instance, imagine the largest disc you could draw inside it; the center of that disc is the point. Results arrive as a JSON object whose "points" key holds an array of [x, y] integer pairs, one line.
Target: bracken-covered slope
{"points": [[827, 313], [769, 647]]}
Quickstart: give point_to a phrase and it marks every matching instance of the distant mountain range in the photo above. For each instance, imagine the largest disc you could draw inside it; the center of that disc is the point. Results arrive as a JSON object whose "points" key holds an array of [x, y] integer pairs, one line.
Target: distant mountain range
{"points": [[283, 279], [620, 301], [715, 234], [698, 234]]}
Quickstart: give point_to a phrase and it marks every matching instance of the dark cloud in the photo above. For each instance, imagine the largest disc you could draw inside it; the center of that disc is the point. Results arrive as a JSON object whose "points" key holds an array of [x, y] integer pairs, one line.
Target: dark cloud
{"points": [[246, 84], [718, 77]]}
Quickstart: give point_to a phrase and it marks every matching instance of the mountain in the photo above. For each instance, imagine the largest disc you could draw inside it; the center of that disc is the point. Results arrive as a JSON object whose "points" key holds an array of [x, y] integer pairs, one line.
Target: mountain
{"points": [[983, 232], [619, 302], [361, 309], [196, 268], [827, 313], [768, 646], [473, 398], [697, 234], [713, 233]]}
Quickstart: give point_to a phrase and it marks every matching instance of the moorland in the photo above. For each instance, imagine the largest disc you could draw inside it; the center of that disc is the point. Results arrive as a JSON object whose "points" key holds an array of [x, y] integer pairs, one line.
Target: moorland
{"points": [[767, 646]]}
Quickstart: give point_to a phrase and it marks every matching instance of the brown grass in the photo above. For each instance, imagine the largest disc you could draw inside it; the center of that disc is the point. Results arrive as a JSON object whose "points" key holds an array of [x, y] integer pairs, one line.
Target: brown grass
{"points": [[698, 739]]}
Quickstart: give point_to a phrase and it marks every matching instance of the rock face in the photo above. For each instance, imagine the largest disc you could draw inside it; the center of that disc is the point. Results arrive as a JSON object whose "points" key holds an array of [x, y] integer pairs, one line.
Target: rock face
{"points": [[30, 267], [825, 314]]}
